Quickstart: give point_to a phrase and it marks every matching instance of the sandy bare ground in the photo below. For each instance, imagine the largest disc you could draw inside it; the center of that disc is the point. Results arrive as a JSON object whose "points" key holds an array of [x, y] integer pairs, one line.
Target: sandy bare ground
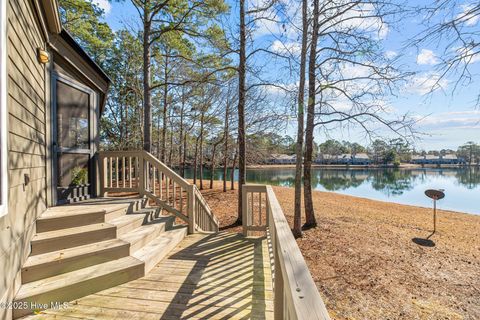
{"points": [[365, 264]]}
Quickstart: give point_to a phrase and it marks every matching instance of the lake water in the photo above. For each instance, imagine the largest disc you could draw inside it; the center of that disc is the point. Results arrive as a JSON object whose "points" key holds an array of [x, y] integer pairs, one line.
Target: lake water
{"points": [[406, 186]]}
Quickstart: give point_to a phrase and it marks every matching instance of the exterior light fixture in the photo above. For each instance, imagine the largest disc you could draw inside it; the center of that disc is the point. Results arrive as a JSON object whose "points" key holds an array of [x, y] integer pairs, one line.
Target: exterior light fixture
{"points": [[43, 56]]}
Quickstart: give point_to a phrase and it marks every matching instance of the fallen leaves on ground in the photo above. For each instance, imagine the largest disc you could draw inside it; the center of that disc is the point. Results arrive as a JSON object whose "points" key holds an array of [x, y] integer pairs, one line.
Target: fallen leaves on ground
{"points": [[366, 265]]}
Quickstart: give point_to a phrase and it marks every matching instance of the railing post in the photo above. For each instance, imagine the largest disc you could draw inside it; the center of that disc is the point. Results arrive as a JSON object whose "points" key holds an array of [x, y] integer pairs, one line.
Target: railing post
{"points": [[278, 286], [141, 180], [102, 161], [191, 209], [245, 210]]}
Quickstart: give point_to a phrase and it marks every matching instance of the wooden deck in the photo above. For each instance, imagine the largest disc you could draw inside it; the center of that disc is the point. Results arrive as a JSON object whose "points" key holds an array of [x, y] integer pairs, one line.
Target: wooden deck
{"points": [[218, 276]]}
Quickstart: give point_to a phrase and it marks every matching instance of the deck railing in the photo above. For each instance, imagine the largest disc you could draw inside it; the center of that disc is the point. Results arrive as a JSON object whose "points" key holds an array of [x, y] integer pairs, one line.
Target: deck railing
{"points": [[142, 173], [295, 293]]}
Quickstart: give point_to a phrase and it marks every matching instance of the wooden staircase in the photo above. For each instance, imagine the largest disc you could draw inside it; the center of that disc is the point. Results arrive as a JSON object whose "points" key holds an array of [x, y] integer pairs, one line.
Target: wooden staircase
{"points": [[87, 247]]}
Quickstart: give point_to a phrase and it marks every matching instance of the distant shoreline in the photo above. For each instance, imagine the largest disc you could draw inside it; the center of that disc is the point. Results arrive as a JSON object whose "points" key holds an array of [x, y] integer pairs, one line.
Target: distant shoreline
{"points": [[341, 166]]}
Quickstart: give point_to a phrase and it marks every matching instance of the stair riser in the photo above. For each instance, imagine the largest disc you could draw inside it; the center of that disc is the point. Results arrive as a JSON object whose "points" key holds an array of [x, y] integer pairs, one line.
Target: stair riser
{"points": [[73, 240], [134, 206], [129, 227], [92, 285], [154, 259], [138, 244], [44, 225], [57, 267], [118, 213]]}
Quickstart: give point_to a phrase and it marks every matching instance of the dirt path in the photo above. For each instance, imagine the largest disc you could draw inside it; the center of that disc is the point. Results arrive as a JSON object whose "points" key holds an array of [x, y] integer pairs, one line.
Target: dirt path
{"points": [[366, 266]]}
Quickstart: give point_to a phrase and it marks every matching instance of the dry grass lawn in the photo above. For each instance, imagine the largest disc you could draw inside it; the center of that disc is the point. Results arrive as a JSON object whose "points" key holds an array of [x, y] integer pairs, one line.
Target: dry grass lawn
{"points": [[365, 264]]}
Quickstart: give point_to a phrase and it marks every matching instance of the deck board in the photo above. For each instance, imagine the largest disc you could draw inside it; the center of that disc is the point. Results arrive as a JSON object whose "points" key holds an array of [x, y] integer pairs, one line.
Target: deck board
{"points": [[220, 276]]}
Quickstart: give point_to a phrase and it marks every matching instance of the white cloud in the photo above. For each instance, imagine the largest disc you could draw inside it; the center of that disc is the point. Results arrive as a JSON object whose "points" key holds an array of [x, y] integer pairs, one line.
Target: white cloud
{"points": [[469, 15], [351, 71], [427, 57], [450, 120], [390, 54], [426, 82], [104, 4], [286, 48], [362, 17]]}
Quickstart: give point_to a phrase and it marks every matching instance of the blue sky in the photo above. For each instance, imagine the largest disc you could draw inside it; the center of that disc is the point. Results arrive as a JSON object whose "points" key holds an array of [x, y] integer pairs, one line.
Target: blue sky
{"points": [[449, 118]]}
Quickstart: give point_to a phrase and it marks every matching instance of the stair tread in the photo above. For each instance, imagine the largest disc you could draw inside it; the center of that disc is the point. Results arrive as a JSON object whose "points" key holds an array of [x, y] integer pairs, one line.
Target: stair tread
{"points": [[70, 231], [88, 249], [160, 243], [53, 213], [139, 232], [87, 208], [126, 219], [71, 278]]}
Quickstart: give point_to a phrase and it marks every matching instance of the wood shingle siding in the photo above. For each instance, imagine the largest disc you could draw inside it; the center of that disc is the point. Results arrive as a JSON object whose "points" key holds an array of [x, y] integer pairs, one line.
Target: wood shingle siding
{"points": [[26, 142]]}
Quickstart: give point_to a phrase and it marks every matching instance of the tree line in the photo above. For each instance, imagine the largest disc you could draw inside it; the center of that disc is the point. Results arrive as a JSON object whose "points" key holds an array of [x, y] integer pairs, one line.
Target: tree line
{"points": [[192, 81]]}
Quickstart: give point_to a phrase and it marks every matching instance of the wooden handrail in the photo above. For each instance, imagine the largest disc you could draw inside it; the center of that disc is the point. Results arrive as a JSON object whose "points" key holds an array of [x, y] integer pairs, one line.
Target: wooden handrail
{"points": [[142, 173], [295, 293]]}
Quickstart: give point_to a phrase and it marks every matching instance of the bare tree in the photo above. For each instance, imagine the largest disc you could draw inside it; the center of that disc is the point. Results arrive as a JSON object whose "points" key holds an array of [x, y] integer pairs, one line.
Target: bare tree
{"points": [[297, 220], [242, 91], [349, 75], [452, 27], [213, 159], [160, 17]]}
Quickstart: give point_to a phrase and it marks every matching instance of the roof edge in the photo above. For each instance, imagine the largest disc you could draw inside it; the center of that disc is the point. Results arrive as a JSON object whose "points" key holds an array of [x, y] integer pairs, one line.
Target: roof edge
{"points": [[52, 16], [65, 35]]}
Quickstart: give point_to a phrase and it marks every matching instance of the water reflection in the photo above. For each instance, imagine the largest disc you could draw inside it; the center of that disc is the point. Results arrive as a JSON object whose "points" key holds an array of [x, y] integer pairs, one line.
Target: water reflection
{"points": [[390, 181], [398, 185]]}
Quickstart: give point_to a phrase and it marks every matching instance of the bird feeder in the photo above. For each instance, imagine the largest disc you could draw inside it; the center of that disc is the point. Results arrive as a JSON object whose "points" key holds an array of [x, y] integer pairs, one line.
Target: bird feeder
{"points": [[435, 195]]}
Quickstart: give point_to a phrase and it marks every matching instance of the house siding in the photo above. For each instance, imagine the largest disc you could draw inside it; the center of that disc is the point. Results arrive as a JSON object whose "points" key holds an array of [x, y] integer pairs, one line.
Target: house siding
{"points": [[26, 143]]}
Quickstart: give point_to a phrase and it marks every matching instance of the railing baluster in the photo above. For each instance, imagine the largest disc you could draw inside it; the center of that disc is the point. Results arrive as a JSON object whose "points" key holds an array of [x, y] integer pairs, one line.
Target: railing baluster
{"points": [[167, 199], [110, 172], [154, 187], [174, 196], [139, 171], [130, 172], [161, 185], [116, 171], [259, 208], [137, 177], [123, 172]]}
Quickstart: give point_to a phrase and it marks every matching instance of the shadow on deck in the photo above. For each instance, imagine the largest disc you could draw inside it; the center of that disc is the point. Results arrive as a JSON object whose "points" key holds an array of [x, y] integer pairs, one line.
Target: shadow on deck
{"points": [[217, 276]]}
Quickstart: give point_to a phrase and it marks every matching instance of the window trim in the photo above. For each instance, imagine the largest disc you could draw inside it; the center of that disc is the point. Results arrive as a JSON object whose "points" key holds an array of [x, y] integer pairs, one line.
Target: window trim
{"points": [[3, 110]]}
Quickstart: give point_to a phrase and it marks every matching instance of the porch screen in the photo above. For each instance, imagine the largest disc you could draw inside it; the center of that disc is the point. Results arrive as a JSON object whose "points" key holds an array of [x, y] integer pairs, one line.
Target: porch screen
{"points": [[72, 117], [73, 155]]}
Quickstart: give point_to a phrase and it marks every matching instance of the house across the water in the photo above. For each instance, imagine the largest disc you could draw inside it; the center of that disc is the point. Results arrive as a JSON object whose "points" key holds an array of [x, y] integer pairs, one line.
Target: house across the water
{"points": [[437, 159], [69, 235], [281, 159], [344, 159]]}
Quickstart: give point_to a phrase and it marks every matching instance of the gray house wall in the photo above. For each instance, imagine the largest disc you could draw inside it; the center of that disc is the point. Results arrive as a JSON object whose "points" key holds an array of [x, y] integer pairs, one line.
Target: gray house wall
{"points": [[26, 143]]}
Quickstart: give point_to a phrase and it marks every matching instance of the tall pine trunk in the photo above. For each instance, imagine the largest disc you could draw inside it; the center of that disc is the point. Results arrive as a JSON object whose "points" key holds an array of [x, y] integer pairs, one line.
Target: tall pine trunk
{"points": [[225, 147], [184, 159], [165, 108], [212, 164], [195, 163], [307, 168], [147, 97], [202, 119], [232, 172], [170, 149], [180, 138], [297, 220], [241, 111]]}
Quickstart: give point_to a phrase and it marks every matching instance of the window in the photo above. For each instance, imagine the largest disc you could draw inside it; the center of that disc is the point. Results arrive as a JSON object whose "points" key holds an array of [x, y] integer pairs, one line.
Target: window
{"points": [[3, 109]]}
